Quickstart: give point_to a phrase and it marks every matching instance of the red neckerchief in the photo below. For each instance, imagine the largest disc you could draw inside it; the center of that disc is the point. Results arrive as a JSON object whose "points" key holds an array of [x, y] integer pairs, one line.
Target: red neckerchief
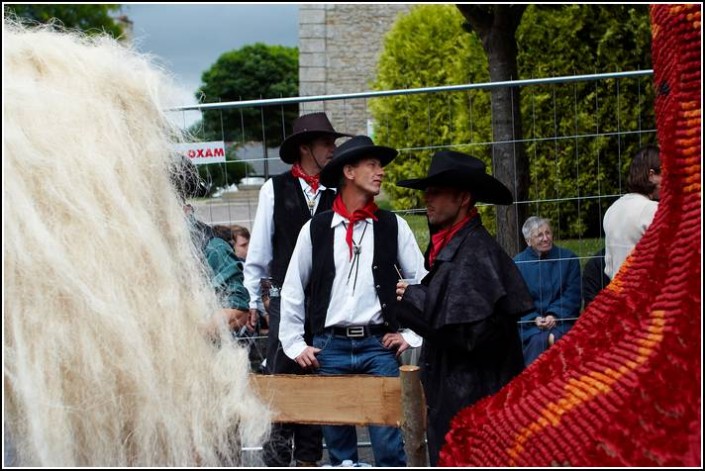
{"points": [[312, 180], [358, 215], [441, 238]]}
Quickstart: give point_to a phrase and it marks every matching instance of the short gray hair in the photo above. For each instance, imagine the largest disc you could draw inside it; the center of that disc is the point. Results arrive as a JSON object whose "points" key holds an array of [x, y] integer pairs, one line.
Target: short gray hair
{"points": [[533, 223]]}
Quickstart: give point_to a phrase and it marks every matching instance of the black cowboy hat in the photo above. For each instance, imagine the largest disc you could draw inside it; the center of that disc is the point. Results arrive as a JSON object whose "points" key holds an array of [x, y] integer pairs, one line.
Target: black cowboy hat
{"points": [[306, 128], [458, 170], [351, 151]]}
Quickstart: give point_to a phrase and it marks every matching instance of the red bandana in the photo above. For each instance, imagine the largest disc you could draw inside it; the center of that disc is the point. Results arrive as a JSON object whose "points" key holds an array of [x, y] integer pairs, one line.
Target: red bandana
{"points": [[358, 215], [441, 238], [312, 180]]}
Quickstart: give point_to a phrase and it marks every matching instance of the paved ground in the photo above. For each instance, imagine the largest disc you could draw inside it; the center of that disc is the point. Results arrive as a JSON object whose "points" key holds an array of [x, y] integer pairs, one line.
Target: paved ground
{"points": [[253, 458]]}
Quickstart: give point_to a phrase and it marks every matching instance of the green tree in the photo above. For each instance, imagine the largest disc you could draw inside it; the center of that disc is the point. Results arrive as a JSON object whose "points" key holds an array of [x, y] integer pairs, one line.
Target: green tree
{"points": [[430, 35], [552, 41], [496, 25], [252, 72], [581, 39], [91, 18]]}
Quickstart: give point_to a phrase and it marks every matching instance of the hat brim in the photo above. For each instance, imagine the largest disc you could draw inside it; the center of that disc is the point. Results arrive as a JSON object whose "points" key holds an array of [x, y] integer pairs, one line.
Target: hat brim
{"points": [[484, 188], [289, 149], [330, 175]]}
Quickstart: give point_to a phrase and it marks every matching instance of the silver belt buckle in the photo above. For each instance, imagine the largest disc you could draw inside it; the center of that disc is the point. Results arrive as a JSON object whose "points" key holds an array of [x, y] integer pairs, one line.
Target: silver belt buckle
{"points": [[356, 331]]}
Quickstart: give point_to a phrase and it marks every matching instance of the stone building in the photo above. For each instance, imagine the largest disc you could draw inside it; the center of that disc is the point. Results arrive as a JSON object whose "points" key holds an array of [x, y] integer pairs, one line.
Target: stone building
{"points": [[339, 45]]}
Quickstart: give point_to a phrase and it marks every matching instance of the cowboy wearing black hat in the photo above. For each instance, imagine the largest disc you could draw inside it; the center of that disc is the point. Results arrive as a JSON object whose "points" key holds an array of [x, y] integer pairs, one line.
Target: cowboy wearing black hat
{"points": [[346, 260], [286, 202], [467, 307]]}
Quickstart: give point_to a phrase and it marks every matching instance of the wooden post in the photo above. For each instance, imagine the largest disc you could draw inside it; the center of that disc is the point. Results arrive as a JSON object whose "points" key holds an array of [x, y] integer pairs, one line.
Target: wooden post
{"points": [[413, 405]]}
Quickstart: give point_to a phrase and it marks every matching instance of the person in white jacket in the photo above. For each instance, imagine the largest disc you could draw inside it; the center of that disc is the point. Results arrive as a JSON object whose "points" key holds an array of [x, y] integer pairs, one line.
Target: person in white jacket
{"points": [[626, 221]]}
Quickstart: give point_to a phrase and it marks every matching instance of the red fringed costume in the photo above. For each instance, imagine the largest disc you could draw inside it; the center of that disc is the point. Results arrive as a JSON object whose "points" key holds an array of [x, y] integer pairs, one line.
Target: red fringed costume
{"points": [[623, 387]]}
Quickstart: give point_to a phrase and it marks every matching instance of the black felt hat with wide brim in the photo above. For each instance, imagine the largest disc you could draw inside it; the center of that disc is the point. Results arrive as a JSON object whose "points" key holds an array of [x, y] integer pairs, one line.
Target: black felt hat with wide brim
{"points": [[351, 151], [306, 128], [458, 170]]}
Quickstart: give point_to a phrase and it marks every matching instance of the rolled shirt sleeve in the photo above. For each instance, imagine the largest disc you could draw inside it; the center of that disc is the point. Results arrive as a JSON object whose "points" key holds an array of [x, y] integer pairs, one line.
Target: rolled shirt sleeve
{"points": [[259, 253], [412, 266], [293, 298]]}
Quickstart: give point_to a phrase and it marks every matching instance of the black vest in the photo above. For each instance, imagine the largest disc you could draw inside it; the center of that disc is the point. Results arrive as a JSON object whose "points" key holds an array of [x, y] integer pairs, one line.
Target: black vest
{"points": [[291, 212], [323, 268]]}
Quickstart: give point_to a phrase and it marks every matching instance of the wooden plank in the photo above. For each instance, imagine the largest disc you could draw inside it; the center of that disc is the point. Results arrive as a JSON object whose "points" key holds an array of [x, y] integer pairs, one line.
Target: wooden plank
{"points": [[331, 400]]}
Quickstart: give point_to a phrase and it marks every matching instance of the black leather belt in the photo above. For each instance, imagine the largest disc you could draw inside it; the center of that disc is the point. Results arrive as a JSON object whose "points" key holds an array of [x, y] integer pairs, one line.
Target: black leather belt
{"points": [[358, 331]]}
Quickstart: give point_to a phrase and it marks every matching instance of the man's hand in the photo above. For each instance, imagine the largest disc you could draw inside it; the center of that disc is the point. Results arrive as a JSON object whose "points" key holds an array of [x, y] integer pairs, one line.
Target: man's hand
{"points": [[401, 289], [307, 358], [253, 320], [235, 318], [393, 341]]}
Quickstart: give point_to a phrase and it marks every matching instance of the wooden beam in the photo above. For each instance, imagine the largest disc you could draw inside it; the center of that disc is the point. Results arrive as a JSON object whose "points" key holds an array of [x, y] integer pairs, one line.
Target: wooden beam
{"points": [[414, 416], [331, 400]]}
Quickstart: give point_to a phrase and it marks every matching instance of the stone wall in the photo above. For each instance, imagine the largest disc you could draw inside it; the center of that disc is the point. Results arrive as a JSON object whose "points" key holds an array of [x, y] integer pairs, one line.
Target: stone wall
{"points": [[338, 50]]}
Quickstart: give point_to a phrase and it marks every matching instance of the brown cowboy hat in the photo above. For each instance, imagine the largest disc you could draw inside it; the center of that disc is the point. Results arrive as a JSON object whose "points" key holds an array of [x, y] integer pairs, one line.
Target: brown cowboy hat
{"points": [[455, 169], [350, 152], [306, 128]]}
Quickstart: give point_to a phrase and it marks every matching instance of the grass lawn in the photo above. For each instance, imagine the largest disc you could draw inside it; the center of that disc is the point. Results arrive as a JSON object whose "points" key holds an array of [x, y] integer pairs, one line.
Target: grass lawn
{"points": [[584, 248], [419, 226]]}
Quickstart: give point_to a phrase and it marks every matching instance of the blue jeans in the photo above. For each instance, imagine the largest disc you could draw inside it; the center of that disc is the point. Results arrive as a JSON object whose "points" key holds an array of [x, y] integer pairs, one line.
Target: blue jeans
{"points": [[367, 355]]}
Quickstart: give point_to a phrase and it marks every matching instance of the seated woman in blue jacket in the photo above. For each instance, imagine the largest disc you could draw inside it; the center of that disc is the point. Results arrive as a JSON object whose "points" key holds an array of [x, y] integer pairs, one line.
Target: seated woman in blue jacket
{"points": [[552, 274]]}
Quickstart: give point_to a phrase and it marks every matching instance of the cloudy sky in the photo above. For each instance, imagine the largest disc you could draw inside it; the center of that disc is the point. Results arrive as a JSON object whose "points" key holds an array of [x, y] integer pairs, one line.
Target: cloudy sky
{"points": [[189, 38]]}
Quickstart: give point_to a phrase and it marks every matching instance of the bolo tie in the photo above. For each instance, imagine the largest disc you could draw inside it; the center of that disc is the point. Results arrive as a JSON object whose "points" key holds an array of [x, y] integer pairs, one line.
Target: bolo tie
{"points": [[311, 201], [357, 248]]}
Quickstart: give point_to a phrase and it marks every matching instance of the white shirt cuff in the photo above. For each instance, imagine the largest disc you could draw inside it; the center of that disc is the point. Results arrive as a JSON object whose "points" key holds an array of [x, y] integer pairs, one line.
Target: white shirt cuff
{"points": [[412, 338], [295, 350]]}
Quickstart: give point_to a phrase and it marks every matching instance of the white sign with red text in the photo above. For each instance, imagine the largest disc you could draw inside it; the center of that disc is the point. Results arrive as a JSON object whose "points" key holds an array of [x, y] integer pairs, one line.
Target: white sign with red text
{"points": [[202, 153]]}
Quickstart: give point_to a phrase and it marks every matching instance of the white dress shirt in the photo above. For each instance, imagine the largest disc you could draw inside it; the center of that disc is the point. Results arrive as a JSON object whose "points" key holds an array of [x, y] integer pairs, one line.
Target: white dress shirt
{"points": [[351, 302], [259, 254]]}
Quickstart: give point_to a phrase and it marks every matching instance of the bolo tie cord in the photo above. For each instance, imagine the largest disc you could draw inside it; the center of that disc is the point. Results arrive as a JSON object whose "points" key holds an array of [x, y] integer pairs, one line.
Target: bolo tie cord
{"points": [[357, 248]]}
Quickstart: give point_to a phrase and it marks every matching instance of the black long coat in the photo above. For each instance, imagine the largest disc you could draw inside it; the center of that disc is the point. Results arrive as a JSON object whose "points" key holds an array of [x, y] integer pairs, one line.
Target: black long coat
{"points": [[466, 309]]}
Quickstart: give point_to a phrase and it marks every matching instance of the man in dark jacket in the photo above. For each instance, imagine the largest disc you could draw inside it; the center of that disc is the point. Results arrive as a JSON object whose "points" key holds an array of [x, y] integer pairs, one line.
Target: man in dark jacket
{"points": [[467, 307]]}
